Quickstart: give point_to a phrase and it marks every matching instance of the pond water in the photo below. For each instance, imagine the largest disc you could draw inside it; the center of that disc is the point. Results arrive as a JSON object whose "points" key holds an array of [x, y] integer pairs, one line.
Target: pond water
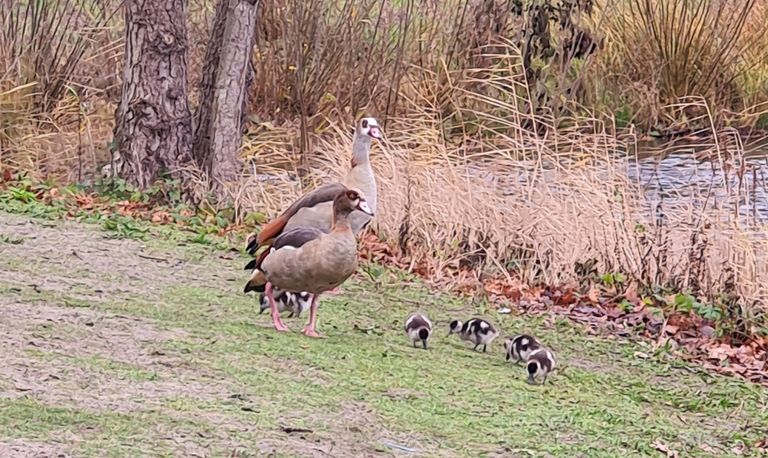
{"points": [[688, 173]]}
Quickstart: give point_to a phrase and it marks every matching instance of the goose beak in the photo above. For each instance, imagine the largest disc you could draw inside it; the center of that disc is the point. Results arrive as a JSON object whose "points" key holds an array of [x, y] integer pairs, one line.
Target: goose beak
{"points": [[363, 207], [375, 132]]}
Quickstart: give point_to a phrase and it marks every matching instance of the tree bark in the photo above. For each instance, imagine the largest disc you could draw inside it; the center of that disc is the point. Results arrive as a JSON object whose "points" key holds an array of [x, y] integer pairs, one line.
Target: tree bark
{"points": [[223, 91], [153, 128]]}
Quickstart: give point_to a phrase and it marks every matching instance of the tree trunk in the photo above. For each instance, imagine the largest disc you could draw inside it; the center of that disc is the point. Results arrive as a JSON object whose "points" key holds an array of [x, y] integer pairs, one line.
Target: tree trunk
{"points": [[223, 90], [153, 129]]}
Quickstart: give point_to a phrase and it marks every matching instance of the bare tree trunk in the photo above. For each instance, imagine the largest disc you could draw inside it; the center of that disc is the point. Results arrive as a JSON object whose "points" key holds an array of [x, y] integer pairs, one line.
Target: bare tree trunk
{"points": [[153, 127], [223, 90]]}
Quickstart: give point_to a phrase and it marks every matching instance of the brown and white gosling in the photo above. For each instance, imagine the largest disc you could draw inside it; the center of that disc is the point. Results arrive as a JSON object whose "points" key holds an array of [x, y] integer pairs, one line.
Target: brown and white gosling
{"points": [[540, 364], [475, 330], [418, 327], [296, 303], [520, 347]]}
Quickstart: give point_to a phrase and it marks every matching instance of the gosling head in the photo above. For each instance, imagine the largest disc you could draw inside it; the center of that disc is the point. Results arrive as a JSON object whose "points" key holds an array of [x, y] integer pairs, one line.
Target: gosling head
{"points": [[454, 327]]}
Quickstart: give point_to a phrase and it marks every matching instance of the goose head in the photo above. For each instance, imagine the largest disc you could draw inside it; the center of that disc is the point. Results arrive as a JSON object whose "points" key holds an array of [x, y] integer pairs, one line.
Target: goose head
{"points": [[348, 201], [369, 127]]}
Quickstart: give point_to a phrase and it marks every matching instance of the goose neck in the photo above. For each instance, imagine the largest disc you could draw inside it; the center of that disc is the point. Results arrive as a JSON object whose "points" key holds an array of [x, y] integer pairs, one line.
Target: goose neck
{"points": [[361, 147]]}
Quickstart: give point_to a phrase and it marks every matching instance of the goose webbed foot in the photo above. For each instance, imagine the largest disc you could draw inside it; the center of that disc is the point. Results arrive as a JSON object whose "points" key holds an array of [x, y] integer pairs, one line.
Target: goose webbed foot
{"points": [[279, 325], [310, 330], [312, 333]]}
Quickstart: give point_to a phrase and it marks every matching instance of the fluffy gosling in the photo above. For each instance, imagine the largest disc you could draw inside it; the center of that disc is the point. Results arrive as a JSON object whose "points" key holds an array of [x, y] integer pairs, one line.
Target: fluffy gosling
{"points": [[418, 327], [475, 330], [520, 347], [296, 303], [539, 364]]}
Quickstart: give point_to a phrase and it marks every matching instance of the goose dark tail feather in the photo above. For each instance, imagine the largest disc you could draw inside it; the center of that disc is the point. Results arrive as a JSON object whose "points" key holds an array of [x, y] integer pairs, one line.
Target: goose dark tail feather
{"points": [[257, 282]]}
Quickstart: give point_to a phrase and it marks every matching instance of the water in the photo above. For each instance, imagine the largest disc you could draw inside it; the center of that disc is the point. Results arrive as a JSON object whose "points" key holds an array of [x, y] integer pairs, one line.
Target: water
{"points": [[690, 174]]}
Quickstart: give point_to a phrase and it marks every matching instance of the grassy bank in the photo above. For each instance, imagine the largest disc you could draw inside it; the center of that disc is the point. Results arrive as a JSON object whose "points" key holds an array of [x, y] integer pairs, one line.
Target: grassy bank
{"points": [[160, 354]]}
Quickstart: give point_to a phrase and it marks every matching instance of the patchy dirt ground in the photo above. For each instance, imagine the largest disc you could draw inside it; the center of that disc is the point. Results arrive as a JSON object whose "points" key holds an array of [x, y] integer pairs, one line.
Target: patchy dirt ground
{"points": [[150, 348], [58, 352]]}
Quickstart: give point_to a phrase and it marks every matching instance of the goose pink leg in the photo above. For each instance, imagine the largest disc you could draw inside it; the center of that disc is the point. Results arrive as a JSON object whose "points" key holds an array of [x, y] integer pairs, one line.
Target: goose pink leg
{"points": [[310, 329], [276, 321]]}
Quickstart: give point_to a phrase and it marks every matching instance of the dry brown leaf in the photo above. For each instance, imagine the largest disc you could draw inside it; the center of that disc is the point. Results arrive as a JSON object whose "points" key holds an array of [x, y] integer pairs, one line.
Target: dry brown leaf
{"points": [[161, 217], [594, 294], [631, 295], [660, 446]]}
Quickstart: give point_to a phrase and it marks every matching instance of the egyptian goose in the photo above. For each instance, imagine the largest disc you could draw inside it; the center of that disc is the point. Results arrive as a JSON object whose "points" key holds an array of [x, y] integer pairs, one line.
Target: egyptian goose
{"points": [[308, 259], [539, 364], [314, 209], [418, 327], [476, 330], [296, 303], [520, 346]]}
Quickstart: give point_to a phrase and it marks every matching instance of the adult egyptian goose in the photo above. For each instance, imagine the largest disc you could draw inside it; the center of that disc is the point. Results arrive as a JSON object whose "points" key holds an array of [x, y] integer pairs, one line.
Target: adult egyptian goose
{"points": [[418, 327], [539, 364], [476, 330], [520, 347], [308, 259], [314, 209]]}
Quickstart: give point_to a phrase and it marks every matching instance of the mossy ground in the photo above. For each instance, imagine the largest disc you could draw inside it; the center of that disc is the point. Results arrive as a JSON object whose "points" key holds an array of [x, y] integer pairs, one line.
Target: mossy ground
{"points": [[125, 347]]}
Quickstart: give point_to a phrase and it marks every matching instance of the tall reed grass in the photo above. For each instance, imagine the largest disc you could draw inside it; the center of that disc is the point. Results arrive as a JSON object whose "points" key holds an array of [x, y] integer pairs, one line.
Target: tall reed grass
{"points": [[55, 62], [663, 51]]}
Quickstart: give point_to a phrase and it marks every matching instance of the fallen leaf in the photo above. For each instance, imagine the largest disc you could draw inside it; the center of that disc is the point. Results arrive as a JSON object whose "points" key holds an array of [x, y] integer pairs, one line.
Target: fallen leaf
{"points": [[660, 446], [631, 295], [594, 294], [161, 217], [671, 330]]}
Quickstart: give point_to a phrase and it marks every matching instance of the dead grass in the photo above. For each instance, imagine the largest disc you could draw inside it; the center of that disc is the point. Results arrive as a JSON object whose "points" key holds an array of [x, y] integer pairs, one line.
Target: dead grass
{"points": [[664, 51]]}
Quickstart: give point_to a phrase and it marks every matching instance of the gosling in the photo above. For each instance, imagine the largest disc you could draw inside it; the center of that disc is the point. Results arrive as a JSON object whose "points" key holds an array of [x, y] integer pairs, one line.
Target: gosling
{"points": [[540, 364], [297, 303], [475, 330], [520, 347], [419, 328]]}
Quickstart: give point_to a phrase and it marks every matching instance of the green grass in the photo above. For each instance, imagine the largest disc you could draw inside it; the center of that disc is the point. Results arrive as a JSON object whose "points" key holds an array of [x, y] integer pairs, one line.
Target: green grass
{"points": [[602, 401]]}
